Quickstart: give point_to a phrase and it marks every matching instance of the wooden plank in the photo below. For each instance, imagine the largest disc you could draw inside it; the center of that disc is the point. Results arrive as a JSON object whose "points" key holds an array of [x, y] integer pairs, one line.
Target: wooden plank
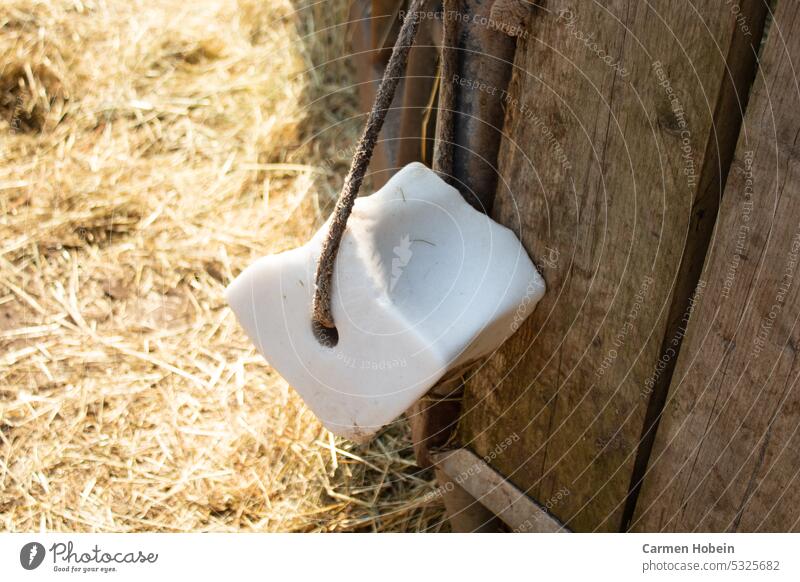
{"points": [[479, 52], [727, 453], [610, 174], [471, 473]]}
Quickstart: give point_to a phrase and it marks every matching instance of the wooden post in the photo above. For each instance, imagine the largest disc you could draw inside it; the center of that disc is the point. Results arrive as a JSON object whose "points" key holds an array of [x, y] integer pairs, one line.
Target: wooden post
{"points": [[727, 453], [619, 124]]}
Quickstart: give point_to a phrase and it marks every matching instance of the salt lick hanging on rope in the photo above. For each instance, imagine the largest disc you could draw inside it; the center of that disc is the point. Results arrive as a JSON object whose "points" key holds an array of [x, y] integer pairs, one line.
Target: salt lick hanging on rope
{"points": [[371, 313], [422, 284]]}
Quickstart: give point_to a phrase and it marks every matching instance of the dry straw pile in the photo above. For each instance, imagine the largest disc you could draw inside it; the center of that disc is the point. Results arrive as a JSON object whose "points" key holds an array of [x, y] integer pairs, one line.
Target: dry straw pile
{"points": [[150, 150]]}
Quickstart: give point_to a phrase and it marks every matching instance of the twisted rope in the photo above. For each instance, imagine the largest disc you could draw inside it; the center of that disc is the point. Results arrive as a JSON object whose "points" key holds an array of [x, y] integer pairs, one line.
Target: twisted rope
{"points": [[321, 307]]}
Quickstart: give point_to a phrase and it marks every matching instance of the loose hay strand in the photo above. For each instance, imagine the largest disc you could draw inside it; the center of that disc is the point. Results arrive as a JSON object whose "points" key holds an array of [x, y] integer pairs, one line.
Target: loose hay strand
{"points": [[144, 162]]}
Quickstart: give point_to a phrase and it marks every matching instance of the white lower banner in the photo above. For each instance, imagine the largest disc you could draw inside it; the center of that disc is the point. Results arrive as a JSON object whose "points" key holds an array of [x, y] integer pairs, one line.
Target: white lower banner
{"points": [[352, 557]]}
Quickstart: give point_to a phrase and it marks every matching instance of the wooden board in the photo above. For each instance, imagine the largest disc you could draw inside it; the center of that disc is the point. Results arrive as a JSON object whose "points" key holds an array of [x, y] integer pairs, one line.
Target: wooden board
{"points": [[490, 489], [593, 179], [727, 454]]}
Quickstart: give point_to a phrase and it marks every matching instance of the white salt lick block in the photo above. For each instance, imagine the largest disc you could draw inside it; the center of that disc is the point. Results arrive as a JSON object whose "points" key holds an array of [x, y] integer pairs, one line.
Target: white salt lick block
{"points": [[423, 284]]}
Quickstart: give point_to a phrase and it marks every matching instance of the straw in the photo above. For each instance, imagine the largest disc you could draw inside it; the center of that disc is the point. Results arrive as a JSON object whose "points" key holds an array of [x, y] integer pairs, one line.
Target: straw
{"points": [[149, 152]]}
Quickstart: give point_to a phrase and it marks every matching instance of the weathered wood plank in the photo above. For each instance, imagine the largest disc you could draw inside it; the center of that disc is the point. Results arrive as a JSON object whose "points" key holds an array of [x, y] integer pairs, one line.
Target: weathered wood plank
{"points": [[610, 174], [490, 489], [727, 454]]}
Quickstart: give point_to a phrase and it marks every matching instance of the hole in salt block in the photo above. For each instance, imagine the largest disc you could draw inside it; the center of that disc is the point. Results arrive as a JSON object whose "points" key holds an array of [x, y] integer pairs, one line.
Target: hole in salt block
{"points": [[328, 337]]}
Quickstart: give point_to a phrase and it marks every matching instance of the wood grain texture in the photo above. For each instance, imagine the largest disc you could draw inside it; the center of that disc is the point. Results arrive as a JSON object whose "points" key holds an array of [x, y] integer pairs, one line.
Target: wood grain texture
{"points": [[727, 452], [609, 172]]}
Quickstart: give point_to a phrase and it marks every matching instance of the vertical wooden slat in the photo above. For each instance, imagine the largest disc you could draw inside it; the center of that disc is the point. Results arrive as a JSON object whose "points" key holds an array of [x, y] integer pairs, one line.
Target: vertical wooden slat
{"points": [[365, 45], [484, 55], [727, 453], [610, 171]]}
